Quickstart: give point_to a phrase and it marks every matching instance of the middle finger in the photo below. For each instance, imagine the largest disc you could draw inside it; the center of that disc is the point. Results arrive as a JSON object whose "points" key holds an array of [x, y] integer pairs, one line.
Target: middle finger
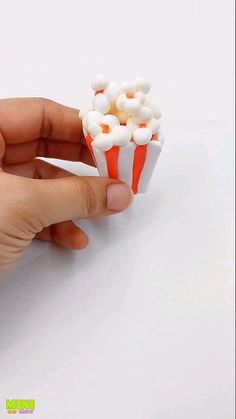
{"points": [[24, 152]]}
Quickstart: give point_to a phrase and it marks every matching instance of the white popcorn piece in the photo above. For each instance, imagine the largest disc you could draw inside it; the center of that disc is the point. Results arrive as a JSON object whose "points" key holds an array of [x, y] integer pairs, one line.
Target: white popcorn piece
{"points": [[154, 124], [100, 123], [142, 135], [101, 103], [94, 130], [110, 120], [121, 101], [111, 92], [142, 85], [145, 114], [131, 123], [132, 106], [123, 117], [104, 142], [94, 117], [83, 112], [99, 82], [128, 87], [141, 97], [122, 135]]}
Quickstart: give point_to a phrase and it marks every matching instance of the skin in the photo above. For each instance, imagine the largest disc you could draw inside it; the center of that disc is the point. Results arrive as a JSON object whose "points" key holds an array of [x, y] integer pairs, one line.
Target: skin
{"points": [[39, 200]]}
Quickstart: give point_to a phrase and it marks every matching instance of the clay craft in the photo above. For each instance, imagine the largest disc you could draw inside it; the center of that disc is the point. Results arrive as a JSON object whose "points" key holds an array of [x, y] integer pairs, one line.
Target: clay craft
{"points": [[122, 131]]}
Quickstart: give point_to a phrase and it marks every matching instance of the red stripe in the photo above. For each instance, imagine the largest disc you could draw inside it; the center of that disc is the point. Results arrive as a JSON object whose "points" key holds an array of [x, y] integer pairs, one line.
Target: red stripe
{"points": [[112, 162], [139, 160], [88, 140]]}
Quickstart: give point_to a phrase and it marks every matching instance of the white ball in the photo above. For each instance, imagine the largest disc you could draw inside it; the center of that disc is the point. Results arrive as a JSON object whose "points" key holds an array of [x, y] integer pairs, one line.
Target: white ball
{"points": [[128, 87], [94, 117], [141, 97], [123, 117], [104, 142], [94, 130], [131, 123], [84, 111], [156, 112], [132, 106], [100, 103], [99, 82], [111, 120], [122, 135], [145, 114], [154, 125], [121, 101], [142, 135], [142, 85], [111, 92]]}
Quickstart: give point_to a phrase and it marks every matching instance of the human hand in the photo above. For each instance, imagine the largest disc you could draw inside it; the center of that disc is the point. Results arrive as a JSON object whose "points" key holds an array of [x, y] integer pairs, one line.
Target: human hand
{"points": [[37, 199]]}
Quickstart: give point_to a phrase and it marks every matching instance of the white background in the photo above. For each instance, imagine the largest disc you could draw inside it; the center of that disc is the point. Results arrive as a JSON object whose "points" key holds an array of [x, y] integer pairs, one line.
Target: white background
{"points": [[140, 324]]}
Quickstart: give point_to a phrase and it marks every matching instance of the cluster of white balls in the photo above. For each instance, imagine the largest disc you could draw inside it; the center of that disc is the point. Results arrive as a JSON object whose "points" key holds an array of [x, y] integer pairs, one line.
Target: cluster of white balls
{"points": [[120, 113]]}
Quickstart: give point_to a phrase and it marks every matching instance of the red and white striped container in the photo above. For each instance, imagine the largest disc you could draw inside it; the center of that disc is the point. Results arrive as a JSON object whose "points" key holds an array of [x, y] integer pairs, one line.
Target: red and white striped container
{"points": [[133, 164]]}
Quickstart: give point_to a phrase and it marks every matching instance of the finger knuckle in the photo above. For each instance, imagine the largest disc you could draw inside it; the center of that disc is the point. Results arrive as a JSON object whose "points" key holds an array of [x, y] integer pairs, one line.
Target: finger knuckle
{"points": [[17, 208], [88, 198], [46, 122]]}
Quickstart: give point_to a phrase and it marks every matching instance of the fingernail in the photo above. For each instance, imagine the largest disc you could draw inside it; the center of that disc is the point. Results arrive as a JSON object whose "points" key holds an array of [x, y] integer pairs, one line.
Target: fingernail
{"points": [[119, 196]]}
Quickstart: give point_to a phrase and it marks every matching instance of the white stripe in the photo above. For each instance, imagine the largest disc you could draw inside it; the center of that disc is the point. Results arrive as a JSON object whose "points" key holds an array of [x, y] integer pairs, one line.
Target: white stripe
{"points": [[153, 152], [160, 137], [100, 161], [125, 163]]}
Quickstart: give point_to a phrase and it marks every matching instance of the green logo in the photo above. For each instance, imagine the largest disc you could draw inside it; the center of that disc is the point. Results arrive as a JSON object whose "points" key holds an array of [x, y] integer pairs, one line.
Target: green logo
{"points": [[20, 406]]}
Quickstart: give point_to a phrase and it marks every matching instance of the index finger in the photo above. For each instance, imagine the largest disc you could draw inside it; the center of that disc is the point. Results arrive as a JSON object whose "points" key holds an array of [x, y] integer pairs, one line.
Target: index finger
{"points": [[23, 120]]}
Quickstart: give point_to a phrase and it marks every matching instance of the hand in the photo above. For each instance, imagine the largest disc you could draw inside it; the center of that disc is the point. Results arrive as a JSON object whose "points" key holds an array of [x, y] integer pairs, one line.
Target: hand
{"points": [[37, 199]]}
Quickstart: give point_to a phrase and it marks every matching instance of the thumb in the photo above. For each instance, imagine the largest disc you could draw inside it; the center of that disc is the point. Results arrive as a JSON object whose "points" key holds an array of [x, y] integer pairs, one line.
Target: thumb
{"points": [[58, 200]]}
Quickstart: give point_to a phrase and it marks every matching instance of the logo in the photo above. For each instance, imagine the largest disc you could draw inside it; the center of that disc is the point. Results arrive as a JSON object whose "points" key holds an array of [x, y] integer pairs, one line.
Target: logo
{"points": [[20, 406]]}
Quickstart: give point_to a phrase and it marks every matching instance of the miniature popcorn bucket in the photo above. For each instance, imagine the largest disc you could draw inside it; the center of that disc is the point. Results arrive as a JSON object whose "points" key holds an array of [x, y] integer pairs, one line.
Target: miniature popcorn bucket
{"points": [[133, 164], [122, 131]]}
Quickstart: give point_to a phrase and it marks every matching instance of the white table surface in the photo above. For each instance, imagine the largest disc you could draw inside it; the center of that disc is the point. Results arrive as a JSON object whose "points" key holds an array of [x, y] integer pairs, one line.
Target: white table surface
{"points": [[140, 324]]}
